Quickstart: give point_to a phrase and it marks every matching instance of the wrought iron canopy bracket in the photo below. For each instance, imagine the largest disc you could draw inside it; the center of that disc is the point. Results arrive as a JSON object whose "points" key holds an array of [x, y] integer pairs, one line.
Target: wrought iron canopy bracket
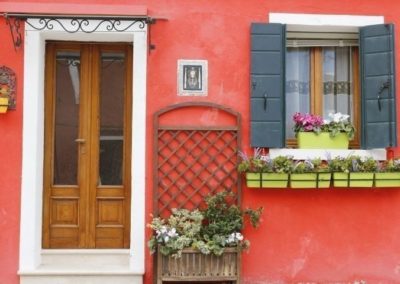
{"points": [[76, 23]]}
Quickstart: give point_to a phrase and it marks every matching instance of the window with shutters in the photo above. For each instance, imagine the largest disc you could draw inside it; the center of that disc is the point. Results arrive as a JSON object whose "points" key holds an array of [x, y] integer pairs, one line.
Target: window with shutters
{"points": [[322, 72], [321, 80]]}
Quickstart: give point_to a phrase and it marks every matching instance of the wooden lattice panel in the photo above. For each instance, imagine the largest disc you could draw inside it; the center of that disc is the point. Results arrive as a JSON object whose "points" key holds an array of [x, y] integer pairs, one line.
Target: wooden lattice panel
{"points": [[192, 162]]}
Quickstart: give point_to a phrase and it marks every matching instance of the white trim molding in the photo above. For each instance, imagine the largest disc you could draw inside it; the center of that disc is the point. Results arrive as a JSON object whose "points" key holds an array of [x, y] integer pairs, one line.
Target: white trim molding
{"points": [[33, 142], [325, 154], [325, 19]]}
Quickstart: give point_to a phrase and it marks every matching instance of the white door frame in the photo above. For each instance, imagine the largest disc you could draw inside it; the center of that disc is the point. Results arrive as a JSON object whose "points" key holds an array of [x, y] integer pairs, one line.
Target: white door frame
{"points": [[33, 135]]}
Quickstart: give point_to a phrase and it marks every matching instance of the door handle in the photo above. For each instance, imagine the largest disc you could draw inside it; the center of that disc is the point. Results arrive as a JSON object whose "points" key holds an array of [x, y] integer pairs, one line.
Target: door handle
{"points": [[80, 140]]}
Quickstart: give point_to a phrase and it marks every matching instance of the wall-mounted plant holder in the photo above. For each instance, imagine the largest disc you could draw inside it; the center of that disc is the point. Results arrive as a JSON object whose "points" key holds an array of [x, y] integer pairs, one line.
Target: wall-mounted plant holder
{"points": [[7, 89]]}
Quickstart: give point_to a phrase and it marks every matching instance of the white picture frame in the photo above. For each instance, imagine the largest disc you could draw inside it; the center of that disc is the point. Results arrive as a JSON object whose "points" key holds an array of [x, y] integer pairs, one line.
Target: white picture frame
{"points": [[192, 77]]}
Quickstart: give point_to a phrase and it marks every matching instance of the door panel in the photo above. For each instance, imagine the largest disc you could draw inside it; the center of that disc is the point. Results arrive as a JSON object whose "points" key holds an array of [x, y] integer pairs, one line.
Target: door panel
{"points": [[87, 146]]}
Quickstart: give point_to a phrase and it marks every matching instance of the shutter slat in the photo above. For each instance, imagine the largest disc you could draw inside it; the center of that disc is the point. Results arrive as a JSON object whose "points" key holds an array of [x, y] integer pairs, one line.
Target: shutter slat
{"points": [[377, 70], [267, 85]]}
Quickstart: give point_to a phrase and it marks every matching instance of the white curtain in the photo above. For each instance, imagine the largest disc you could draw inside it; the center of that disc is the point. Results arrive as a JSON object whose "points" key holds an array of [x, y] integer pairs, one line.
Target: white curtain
{"points": [[337, 74], [297, 85]]}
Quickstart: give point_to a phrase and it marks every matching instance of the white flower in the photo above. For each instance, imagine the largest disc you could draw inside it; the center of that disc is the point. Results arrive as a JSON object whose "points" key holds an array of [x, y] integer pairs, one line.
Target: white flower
{"points": [[166, 239], [234, 238], [172, 233], [339, 117], [239, 236]]}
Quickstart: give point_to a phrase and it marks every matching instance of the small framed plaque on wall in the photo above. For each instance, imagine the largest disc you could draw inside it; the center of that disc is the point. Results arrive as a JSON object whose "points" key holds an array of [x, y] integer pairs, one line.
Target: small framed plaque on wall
{"points": [[192, 77]]}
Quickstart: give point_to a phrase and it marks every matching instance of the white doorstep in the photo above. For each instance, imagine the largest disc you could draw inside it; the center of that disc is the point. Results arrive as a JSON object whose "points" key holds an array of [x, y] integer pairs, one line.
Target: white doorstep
{"points": [[82, 267]]}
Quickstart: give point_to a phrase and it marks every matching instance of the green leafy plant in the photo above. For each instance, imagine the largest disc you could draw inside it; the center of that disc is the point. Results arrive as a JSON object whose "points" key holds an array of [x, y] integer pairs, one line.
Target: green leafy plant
{"points": [[177, 232], [282, 164], [339, 164], [392, 165], [209, 230], [310, 166], [254, 164], [320, 166], [301, 167], [363, 165]]}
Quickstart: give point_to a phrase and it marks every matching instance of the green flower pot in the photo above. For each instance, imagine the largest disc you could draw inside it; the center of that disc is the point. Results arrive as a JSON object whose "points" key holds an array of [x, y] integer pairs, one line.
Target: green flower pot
{"points": [[340, 179], [353, 179], [387, 179], [311, 140], [310, 180], [305, 180], [275, 180], [361, 179], [253, 179], [324, 180]]}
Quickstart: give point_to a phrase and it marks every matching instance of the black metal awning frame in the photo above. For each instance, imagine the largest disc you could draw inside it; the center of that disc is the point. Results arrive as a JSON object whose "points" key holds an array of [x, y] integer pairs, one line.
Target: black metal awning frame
{"points": [[78, 23]]}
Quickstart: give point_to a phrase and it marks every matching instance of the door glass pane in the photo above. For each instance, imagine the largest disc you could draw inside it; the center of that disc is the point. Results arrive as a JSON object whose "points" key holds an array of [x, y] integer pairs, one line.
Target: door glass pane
{"points": [[337, 81], [297, 85], [112, 90], [66, 118]]}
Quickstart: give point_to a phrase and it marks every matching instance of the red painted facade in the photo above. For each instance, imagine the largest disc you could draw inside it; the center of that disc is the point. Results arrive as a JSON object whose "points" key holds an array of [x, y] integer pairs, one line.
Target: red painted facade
{"points": [[337, 236]]}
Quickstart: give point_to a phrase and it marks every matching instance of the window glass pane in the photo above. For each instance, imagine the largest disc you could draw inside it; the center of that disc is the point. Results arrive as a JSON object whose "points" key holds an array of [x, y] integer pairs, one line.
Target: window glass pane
{"points": [[112, 90], [66, 118], [297, 85], [337, 81]]}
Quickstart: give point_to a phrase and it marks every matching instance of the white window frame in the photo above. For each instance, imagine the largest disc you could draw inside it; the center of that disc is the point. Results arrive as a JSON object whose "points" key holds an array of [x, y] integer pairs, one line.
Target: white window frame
{"points": [[33, 137], [329, 22]]}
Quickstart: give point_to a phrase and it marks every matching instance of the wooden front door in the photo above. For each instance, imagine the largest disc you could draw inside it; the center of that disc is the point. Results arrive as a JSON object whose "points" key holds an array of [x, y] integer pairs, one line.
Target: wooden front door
{"points": [[88, 103]]}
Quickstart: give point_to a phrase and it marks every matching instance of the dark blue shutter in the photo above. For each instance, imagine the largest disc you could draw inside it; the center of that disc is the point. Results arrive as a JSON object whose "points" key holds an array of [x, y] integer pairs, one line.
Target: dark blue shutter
{"points": [[267, 86], [378, 92]]}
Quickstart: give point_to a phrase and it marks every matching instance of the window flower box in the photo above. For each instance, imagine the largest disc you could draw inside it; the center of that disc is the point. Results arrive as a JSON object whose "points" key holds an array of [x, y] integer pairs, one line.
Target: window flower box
{"points": [[310, 180], [313, 132], [389, 174], [387, 179], [195, 266], [323, 140], [267, 180], [275, 180], [253, 180], [353, 171]]}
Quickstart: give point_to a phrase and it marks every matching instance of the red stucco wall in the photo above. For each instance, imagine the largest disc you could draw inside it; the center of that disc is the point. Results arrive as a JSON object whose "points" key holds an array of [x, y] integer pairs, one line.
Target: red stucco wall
{"points": [[319, 236], [10, 166]]}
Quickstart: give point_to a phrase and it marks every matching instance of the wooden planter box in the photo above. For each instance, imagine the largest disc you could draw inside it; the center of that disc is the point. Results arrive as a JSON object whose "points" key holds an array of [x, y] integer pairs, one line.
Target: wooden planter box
{"points": [[194, 266]]}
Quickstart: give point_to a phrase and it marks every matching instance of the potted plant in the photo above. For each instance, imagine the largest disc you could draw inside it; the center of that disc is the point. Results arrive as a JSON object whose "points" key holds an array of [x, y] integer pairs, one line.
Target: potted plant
{"points": [[362, 171], [323, 174], [303, 175], [313, 132], [353, 171], [388, 174], [310, 174], [191, 243], [277, 175], [262, 171], [340, 167], [252, 167]]}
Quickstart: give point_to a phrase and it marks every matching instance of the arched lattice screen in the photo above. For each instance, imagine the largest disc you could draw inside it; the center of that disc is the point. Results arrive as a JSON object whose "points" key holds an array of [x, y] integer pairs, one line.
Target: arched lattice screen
{"points": [[195, 152]]}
